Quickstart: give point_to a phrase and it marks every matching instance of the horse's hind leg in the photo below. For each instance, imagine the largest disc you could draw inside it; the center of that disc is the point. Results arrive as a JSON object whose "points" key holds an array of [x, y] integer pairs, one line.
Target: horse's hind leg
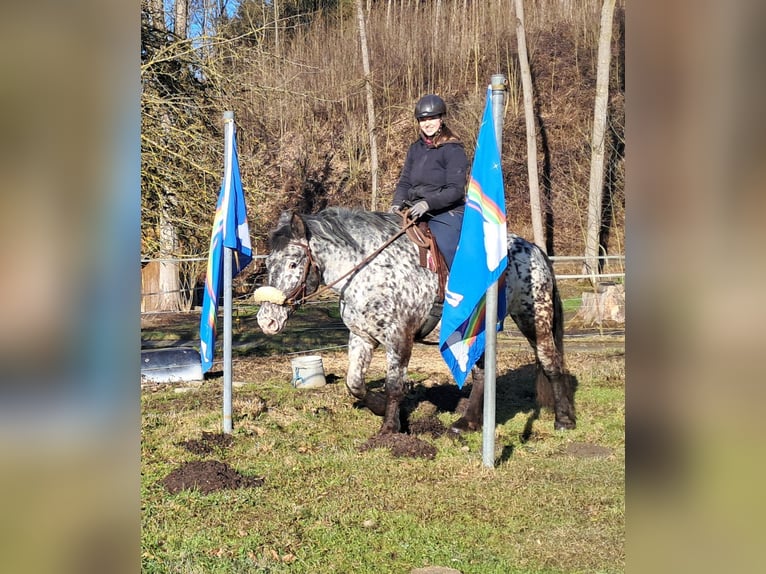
{"points": [[535, 305], [553, 384], [473, 417]]}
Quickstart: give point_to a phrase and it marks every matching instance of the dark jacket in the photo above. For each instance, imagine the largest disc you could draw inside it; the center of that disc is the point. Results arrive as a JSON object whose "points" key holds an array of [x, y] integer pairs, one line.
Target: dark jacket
{"points": [[436, 174]]}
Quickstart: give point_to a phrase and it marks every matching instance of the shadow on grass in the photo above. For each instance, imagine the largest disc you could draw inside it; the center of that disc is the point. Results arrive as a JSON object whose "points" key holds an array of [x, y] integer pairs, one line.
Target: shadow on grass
{"points": [[310, 327], [514, 393]]}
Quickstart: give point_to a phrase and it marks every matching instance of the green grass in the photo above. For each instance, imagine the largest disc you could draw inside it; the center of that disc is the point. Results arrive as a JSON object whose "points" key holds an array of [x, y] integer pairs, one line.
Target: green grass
{"points": [[571, 305], [327, 507]]}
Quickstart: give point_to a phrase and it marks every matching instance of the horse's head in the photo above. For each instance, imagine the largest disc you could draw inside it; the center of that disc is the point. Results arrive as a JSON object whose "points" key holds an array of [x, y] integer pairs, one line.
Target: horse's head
{"points": [[292, 273]]}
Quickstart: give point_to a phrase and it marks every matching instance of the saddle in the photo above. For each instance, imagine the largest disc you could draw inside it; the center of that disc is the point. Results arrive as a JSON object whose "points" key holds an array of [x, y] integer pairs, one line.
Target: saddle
{"points": [[433, 260]]}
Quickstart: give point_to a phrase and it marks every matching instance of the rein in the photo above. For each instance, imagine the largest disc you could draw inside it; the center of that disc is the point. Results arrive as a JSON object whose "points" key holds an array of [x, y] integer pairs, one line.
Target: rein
{"points": [[301, 287]]}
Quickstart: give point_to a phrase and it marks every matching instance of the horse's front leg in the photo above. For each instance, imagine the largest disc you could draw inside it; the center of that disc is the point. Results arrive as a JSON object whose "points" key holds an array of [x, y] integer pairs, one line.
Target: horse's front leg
{"points": [[397, 359], [359, 356], [473, 417]]}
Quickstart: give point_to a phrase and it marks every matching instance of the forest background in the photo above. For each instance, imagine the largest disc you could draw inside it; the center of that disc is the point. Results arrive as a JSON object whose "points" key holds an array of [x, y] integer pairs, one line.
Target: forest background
{"points": [[292, 72]]}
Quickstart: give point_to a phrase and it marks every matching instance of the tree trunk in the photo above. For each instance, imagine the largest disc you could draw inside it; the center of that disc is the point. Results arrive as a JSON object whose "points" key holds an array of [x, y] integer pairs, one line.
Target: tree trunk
{"points": [[276, 28], [596, 187], [157, 11], [182, 18], [370, 106], [168, 297], [168, 285], [529, 115]]}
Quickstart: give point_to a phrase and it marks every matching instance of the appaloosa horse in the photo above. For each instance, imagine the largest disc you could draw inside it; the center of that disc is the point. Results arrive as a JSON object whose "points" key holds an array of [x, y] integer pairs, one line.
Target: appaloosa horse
{"points": [[387, 299]]}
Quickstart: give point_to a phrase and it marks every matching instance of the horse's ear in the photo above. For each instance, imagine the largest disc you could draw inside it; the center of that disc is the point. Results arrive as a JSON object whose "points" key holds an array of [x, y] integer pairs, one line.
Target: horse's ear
{"points": [[298, 227], [284, 218]]}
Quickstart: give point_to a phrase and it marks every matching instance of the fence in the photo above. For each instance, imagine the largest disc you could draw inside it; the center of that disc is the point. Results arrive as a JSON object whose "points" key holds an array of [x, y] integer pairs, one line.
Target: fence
{"points": [[613, 267], [188, 291]]}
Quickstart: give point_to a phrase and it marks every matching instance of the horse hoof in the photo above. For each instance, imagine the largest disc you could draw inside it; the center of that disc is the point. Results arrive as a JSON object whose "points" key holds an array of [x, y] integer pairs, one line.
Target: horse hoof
{"points": [[387, 429], [464, 425], [564, 425]]}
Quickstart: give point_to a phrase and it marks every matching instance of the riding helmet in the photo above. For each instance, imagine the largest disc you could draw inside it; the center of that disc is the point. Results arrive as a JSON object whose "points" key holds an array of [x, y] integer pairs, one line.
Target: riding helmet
{"points": [[430, 105]]}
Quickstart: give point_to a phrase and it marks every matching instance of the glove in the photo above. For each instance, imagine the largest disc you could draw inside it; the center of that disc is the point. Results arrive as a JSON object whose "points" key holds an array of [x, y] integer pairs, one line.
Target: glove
{"points": [[395, 209], [419, 209]]}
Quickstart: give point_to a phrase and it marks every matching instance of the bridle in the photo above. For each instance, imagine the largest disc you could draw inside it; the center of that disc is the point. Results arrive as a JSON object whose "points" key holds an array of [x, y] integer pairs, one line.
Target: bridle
{"points": [[301, 287], [309, 263]]}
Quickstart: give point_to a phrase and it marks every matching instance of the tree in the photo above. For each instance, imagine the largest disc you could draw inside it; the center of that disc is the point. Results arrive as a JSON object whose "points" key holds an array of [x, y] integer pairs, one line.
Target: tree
{"points": [[529, 115], [182, 19], [596, 187], [370, 105], [176, 139]]}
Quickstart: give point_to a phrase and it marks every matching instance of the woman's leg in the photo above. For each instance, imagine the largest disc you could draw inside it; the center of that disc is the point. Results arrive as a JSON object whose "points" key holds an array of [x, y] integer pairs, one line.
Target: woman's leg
{"points": [[445, 228]]}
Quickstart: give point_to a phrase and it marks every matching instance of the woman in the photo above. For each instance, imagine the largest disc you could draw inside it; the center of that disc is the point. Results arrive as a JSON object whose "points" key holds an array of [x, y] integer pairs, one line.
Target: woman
{"points": [[433, 178]]}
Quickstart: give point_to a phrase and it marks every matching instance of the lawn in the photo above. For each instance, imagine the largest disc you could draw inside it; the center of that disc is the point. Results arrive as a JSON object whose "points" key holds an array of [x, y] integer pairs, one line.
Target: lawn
{"points": [[321, 500]]}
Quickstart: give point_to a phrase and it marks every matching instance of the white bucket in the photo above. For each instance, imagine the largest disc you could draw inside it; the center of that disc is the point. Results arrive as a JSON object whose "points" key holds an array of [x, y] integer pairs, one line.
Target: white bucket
{"points": [[308, 372]]}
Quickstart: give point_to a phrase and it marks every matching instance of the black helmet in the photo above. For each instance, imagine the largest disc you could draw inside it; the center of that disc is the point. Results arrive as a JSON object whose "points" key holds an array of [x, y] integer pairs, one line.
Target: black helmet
{"points": [[430, 105]]}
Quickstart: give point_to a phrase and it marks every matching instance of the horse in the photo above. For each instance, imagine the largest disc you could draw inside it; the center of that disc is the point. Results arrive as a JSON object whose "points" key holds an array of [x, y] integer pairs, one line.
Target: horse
{"points": [[386, 299]]}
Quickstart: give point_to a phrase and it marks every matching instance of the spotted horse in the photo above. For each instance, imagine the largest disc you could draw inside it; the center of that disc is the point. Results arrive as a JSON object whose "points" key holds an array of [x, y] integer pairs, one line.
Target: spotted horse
{"points": [[386, 296]]}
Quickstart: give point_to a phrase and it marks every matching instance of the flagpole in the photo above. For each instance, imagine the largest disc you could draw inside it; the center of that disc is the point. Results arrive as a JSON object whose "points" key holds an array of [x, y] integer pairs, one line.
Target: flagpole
{"points": [[228, 124], [498, 83]]}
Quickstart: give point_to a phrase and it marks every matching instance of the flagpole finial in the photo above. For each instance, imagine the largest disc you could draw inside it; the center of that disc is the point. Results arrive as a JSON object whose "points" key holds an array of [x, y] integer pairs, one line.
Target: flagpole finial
{"points": [[498, 82]]}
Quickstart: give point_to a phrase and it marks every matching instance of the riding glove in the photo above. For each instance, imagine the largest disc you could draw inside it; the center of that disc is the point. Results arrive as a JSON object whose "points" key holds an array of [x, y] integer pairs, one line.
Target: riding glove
{"points": [[419, 209]]}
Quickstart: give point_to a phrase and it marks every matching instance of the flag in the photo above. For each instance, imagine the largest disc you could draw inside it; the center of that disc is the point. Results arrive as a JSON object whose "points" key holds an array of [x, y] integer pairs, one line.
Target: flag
{"points": [[230, 230], [480, 260]]}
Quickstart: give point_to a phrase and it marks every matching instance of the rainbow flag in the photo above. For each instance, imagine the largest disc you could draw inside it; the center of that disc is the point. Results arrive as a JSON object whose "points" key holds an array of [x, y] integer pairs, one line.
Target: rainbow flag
{"points": [[230, 230], [480, 260]]}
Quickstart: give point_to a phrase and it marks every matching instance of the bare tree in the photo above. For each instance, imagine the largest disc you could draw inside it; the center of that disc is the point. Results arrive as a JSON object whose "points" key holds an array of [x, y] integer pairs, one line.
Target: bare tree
{"points": [[276, 28], [529, 115], [370, 105], [182, 18], [596, 187], [156, 11], [171, 138]]}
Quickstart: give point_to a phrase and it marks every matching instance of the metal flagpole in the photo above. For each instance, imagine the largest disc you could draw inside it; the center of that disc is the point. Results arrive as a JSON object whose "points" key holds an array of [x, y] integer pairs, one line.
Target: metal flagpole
{"points": [[228, 124], [498, 83]]}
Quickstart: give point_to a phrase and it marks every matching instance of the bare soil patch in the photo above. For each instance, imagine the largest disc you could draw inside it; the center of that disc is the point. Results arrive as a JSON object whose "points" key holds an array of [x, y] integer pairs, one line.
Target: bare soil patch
{"points": [[401, 445], [207, 476], [587, 450], [208, 443]]}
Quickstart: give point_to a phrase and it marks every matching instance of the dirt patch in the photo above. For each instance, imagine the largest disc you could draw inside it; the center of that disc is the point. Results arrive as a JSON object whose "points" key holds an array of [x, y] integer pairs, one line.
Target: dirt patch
{"points": [[207, 476], [587, 450], [401, 445], [208, 443], [428, 425]]}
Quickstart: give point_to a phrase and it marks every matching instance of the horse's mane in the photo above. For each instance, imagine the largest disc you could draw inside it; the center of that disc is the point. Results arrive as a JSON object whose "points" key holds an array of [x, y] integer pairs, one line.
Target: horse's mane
{"points": [[337, 225]]}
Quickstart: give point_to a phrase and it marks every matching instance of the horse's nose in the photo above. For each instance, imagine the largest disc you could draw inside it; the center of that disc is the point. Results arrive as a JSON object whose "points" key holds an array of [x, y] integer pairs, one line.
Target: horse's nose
{"points": [[269, 324]]}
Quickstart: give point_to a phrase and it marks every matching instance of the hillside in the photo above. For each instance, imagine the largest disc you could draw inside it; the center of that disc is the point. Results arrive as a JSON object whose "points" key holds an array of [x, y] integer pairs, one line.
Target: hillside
{"points": [[297, 89]]}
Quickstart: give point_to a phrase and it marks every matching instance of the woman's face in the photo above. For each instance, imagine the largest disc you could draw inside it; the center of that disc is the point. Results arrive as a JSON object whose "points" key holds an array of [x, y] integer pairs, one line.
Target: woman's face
{"points": [[430, 125]]}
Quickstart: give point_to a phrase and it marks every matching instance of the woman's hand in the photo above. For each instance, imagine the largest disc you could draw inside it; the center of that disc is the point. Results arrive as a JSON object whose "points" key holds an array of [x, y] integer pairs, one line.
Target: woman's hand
{"points": [[419, 209]]}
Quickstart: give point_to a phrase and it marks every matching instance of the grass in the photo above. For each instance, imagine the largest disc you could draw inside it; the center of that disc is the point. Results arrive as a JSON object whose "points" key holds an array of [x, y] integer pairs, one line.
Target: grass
{"points": [[550, 504]]}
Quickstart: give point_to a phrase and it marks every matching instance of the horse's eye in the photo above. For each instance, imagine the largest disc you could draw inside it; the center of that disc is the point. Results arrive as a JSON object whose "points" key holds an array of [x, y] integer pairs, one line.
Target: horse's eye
{"points": [[293, 264]]}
